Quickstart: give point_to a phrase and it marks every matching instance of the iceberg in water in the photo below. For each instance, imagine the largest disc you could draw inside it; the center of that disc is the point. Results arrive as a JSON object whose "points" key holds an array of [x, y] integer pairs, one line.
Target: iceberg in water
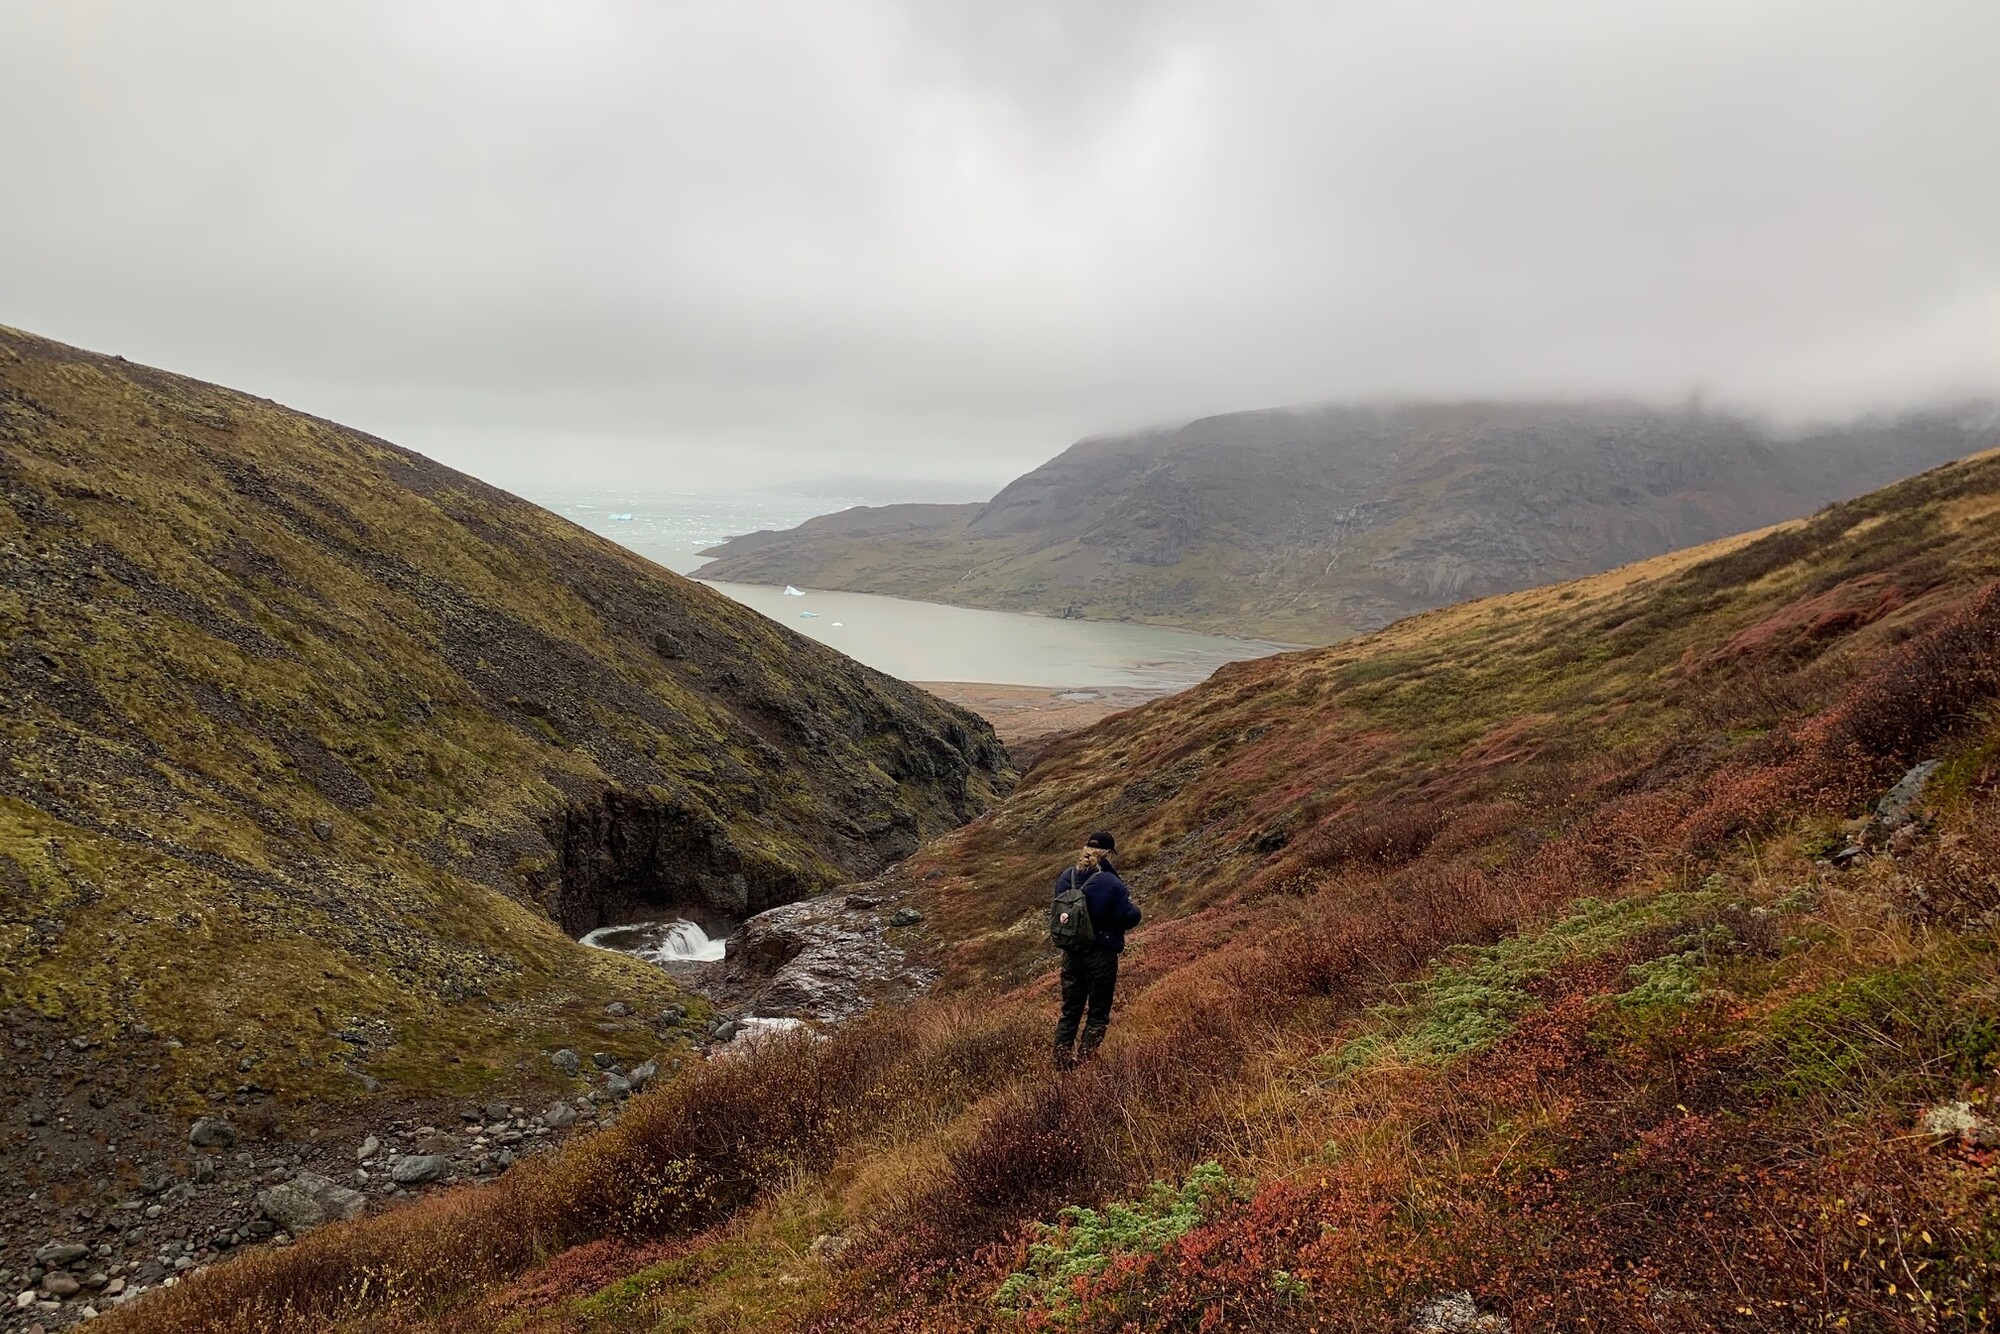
{"points": [[807, 614], [836, 625], [626, 517], [791, 592]]}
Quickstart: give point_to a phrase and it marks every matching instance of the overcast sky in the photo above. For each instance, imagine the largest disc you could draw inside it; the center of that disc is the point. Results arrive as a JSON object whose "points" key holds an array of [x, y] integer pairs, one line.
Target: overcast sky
{"points": [[695, 244]]}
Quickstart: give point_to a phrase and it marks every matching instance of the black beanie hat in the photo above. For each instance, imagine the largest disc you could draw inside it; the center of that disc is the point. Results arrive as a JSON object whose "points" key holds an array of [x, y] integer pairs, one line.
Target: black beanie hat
{"points": [[1103, 840]]}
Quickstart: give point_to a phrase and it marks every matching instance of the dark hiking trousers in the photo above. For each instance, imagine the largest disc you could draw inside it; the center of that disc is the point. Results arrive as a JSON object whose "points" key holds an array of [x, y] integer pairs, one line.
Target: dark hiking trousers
{"points": [[1088, 979]]}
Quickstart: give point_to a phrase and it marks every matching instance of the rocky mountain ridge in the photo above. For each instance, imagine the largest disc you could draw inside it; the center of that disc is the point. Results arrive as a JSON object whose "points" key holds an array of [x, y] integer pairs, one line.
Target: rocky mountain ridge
{"points": [[1309, 524]]}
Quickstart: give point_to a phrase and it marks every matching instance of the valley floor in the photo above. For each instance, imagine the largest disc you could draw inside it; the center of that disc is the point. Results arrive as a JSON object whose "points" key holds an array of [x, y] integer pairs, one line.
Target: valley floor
{"points": [[1030, 718]]}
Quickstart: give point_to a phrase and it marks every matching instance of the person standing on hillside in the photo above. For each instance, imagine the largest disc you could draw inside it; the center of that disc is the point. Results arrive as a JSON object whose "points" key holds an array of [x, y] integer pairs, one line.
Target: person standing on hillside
{"points": [[1088, 919]]}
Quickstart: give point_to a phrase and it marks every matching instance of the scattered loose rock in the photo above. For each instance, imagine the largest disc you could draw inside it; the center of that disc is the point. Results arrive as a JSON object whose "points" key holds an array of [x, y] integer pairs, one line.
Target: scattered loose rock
{"points": [[566, 1061], [906, 917], [369, 1148], [827, 1247]]}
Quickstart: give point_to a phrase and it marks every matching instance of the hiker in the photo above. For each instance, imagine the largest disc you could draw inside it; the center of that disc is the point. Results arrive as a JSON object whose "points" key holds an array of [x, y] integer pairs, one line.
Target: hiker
{"points": [[1088, 920]]}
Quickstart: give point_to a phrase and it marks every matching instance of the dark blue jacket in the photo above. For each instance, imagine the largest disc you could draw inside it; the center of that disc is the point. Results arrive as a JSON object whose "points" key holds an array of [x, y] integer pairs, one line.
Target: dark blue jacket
{"points": [[1112, 912]]}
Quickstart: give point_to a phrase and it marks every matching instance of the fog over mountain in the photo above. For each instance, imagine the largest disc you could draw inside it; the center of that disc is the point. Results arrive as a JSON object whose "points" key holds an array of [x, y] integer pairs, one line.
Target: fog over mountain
{"points": [[695, 244], [1304, 525]]}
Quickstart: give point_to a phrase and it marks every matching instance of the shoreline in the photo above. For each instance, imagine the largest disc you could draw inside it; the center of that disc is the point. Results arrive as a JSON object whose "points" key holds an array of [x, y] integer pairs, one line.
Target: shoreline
{"points": [[1276, 646], [1030, 719]]}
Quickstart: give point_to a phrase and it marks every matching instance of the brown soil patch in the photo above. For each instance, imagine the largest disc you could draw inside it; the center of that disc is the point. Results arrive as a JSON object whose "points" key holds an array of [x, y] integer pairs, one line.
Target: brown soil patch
{"points": [[1029, 719]]}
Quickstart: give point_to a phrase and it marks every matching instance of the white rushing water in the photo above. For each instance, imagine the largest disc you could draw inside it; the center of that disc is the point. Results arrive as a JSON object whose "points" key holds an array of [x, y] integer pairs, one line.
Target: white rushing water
{"points": [[675, 941]]}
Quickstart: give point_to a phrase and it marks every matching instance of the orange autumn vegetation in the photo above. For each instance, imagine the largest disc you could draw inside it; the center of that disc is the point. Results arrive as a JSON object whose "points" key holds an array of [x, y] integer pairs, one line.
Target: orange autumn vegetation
{"points": [[1493, 953]]}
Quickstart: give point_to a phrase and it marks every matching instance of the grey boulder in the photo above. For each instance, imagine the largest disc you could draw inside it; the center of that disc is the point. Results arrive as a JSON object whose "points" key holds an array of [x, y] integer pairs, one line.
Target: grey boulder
{"points": [[308, 1200], [212, 1132], [566, 1061], [417, 1168], [1896, 808]]}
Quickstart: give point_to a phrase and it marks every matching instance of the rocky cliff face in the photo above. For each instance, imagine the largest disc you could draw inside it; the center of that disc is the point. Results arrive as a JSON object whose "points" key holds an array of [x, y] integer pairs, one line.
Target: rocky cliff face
{"points": [[303, 735], [1311, 524]]}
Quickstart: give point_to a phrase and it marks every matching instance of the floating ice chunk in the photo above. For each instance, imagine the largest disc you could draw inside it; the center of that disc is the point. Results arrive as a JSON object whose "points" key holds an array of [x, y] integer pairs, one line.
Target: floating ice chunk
{"points": [[836, 625], [791, 592], [807, 615], [620, 517]]}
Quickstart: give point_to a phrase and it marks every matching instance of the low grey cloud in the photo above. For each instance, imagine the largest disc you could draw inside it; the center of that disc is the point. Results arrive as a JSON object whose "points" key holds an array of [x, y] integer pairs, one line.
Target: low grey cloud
{"points": [[686, 243]]}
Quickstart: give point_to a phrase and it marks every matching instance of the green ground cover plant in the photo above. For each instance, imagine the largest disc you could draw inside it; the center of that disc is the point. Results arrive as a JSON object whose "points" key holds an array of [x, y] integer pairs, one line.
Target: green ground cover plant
{"points": [[1082, 1241]]}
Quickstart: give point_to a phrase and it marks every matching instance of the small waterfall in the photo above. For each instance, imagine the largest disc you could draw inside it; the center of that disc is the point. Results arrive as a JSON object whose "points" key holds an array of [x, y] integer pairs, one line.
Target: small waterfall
{"points": [[675, 941], [685, 940]]}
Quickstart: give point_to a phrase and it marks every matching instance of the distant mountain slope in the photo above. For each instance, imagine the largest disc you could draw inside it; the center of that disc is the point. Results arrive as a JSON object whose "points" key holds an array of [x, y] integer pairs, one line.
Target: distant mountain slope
{"points": [[1306, 525], [311, 749]]}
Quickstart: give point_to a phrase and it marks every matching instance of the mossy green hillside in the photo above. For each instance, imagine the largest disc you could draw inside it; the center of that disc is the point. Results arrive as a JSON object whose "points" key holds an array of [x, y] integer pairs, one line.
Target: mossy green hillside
{"points": [[303, 735]]}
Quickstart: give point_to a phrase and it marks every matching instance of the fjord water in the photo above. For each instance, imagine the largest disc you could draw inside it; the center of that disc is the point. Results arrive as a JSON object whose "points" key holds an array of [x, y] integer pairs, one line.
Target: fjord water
{"points": [[915, 641], [925, 641]]}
